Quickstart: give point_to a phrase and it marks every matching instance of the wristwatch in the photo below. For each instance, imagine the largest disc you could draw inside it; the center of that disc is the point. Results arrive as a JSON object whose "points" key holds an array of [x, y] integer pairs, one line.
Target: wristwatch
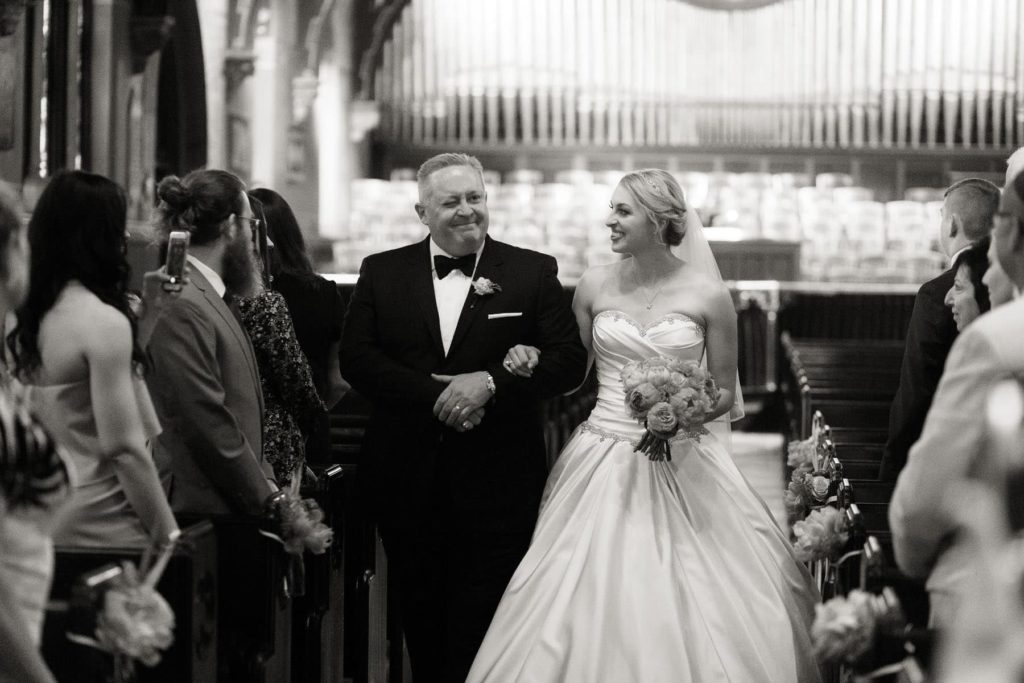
{"points": [[490, 384]]}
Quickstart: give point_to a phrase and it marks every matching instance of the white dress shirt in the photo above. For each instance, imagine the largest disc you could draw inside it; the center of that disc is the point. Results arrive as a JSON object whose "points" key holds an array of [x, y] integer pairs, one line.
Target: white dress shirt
{"points": [[956, 254], [450, 294], [209, 273]]}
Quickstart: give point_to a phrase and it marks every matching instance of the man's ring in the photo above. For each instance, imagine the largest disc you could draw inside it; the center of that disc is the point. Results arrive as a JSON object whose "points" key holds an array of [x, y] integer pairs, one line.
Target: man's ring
{"points": [[457, 407], [508, 364], [467, 424]]}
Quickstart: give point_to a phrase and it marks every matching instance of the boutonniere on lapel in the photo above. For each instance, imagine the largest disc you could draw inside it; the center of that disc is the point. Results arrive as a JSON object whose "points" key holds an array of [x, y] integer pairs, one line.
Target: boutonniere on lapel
{"points": [[483, 287]]}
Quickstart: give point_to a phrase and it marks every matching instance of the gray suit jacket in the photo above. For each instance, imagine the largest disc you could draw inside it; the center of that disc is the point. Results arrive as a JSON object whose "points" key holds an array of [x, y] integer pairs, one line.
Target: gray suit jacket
{"points": [[950, 448], [206, 388]]}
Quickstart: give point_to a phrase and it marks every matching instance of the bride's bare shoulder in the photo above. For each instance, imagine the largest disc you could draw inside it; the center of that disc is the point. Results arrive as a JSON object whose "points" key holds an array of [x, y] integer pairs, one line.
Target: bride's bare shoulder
{"points": [[594, 277], [703, 283]]}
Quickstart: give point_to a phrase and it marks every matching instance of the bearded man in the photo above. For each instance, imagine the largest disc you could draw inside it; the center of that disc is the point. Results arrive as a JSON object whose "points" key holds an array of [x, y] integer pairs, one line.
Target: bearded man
{"points": [[203, 375]]}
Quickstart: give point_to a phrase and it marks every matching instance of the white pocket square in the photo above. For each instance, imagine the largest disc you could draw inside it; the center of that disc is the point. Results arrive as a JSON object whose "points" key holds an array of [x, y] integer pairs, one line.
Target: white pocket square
{"points": [[494, 316]]}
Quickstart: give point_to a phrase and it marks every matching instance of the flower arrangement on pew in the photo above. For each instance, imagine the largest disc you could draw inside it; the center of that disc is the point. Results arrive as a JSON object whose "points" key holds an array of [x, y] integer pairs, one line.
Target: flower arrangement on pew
{"points": [[822, 535], [667, 395], [298, 525], [846, 628], [135, 622], [298, 521], [806, 491], [802, 454]]}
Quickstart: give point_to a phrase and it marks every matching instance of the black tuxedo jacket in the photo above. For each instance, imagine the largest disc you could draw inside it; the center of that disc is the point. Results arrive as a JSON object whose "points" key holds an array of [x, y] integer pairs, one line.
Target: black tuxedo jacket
{"points": [[929, 337], [390, 345]]}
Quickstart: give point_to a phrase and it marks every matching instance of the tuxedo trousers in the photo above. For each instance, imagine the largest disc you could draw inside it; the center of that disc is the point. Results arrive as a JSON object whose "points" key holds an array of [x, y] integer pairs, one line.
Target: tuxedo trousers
{"points": [[450, 572]]}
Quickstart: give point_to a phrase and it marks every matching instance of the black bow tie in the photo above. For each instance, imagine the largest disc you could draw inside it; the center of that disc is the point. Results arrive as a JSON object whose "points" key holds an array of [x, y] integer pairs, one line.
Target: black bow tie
{"points": [[445, 264]]}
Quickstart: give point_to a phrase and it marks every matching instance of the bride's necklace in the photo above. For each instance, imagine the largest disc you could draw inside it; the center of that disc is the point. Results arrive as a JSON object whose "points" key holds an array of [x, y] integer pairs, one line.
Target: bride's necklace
{"points": [[648, 301]]}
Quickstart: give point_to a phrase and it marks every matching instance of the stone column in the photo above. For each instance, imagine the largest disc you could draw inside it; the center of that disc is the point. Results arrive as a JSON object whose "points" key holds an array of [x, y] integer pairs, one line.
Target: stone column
{"points": [[110, 71], [213, 23], [337, 154]]}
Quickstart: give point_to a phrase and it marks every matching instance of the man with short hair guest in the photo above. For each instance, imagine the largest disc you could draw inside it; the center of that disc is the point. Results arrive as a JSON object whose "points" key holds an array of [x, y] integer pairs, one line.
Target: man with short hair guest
{"points": [[454, 455], [952, 442], [967, 211]]}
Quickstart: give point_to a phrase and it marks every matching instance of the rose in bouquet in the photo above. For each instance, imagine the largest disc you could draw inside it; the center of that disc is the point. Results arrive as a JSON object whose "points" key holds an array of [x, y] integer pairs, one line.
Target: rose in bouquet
{"points": [[667, 395]]}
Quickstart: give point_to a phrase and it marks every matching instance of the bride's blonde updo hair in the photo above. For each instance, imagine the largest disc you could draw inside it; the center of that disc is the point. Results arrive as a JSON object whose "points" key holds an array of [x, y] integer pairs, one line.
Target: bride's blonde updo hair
{"points": [[198, 203], [661, 199]]}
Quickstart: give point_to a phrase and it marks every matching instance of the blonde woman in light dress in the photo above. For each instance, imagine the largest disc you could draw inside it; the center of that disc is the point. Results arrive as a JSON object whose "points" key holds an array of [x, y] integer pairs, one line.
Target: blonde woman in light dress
{"points": [[667, 571]]}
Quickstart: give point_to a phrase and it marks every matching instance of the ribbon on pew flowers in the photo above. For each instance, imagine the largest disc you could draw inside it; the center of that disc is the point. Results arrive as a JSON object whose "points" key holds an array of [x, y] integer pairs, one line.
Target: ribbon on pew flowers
{"points": [[298, 525], [135, 623]]}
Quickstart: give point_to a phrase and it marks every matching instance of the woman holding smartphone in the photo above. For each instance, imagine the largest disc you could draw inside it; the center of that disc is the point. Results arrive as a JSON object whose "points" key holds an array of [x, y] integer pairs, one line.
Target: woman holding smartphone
{"points": [[75, 345]]}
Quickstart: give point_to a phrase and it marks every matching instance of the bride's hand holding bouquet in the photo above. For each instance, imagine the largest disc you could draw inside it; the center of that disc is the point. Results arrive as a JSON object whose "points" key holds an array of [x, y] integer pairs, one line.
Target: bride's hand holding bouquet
{"points": [[667, 395]]}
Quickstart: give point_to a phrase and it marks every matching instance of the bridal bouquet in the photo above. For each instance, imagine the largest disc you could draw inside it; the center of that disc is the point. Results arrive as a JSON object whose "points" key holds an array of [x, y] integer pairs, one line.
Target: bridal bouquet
{"points": [[667, 395]]}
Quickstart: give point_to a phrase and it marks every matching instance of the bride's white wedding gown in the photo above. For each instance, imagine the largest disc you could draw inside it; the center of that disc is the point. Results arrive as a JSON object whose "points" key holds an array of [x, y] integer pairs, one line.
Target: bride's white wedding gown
{"points": [[650, 571]]}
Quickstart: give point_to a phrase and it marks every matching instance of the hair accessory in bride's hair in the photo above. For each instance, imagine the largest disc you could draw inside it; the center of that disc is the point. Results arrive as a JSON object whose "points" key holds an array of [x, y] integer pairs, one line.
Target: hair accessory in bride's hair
{"points": [[650, 181]]}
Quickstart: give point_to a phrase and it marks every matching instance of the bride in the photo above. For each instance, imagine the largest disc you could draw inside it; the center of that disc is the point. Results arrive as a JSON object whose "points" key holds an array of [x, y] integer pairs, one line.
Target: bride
{"points": [[640, 570]]}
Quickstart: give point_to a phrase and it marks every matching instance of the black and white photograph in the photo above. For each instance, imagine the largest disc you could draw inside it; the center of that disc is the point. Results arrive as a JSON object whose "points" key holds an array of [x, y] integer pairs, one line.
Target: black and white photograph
{"points": [[511, 341]]}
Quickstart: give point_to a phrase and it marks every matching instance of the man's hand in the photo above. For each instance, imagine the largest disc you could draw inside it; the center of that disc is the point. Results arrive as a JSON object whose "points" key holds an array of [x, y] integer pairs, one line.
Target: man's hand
{"points": [[464, 395], [471, 421]]}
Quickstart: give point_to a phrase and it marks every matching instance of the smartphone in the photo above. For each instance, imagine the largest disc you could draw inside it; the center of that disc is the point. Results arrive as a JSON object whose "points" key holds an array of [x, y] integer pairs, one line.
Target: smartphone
{"points": [[177, 250]]}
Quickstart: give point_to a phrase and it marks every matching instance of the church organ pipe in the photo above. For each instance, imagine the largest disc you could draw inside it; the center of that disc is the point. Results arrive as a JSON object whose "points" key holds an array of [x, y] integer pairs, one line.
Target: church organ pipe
{"points": [[657, 73]]}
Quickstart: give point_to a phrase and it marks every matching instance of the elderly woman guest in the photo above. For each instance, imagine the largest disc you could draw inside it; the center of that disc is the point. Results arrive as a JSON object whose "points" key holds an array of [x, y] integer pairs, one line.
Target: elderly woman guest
{"points": [[315, 306], [33, 485], [75, 343], [969, 297]]}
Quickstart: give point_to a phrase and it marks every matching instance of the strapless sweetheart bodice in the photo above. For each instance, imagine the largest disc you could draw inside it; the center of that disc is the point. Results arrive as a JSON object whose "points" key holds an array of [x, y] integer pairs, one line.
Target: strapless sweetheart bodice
{"points": [[620, 339]]}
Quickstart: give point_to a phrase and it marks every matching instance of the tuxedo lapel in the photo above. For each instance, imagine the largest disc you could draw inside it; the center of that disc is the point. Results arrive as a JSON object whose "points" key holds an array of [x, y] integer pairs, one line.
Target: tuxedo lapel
{"points": [[490, 267], [421, 282]]}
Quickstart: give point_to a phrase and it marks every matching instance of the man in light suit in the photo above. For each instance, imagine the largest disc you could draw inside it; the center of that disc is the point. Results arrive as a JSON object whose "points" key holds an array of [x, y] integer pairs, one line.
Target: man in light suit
{"points": [[967, 210], [203, 377], [951, 444], [454, 454]]}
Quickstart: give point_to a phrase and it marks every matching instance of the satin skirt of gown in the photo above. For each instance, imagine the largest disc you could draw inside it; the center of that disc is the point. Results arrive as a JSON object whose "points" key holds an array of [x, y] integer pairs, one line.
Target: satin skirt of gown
{"points": [[650, 571]]}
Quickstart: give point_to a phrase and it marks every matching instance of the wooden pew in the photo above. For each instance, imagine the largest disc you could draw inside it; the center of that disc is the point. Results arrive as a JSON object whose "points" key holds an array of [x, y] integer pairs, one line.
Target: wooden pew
{"points": [[851, 381], [371, 635], [254, 639], [318, 614], [188, 585]]}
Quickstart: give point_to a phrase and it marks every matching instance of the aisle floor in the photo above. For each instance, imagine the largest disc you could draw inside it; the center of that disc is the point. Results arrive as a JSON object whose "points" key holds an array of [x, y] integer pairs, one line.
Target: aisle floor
{"points": [[759, 456]]}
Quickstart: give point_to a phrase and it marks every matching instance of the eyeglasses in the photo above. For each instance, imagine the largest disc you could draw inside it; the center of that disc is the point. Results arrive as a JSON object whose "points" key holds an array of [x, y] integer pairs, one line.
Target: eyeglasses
{"points": [[254, 223]]}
